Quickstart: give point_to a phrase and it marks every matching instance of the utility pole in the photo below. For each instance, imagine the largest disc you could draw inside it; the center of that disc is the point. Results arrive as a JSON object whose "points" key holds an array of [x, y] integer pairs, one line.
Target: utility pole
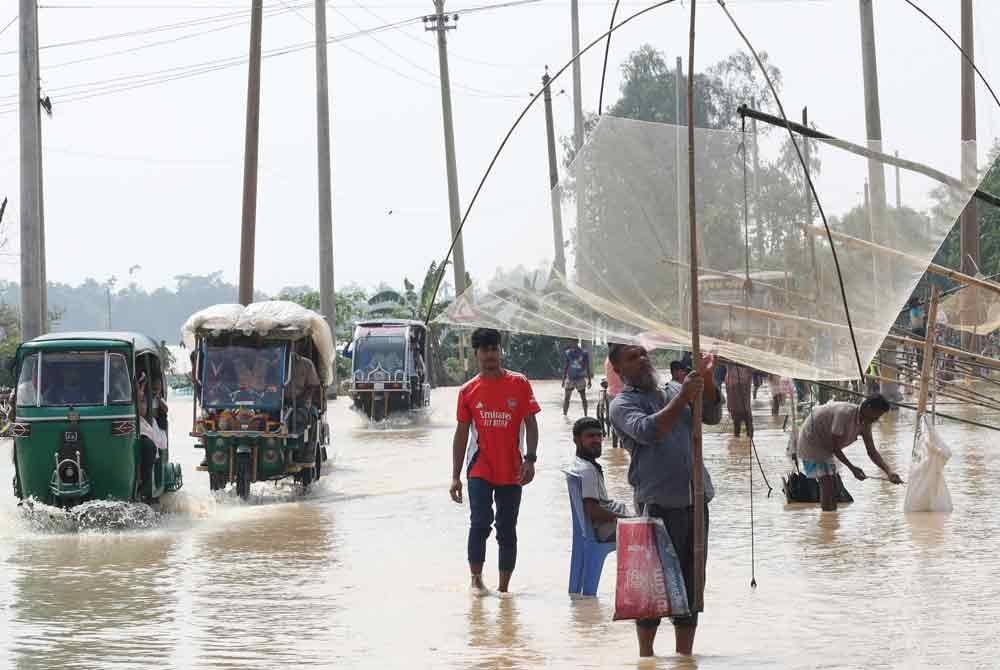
{"points": [[755, 150], [876, 174], [442, 23], [327, 296], [899, 188], [29, 115], [42, 279], [681, 212], [574, 11], [557, 231], [247, 238], [969, 226]]}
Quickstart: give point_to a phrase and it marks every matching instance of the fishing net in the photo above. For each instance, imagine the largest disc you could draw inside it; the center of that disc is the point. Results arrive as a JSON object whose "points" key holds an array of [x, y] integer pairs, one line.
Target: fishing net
{"points": [[770, 294], [773, 301], [926, 489], [971, 309]]}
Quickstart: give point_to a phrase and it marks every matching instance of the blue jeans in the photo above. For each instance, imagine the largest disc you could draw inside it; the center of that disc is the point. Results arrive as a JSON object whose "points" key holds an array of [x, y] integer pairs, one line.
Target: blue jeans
{"points": [[482, 495]]}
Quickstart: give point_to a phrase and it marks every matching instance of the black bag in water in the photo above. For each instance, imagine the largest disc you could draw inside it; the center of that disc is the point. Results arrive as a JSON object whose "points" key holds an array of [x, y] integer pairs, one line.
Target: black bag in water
{"points": [[801, 489]]}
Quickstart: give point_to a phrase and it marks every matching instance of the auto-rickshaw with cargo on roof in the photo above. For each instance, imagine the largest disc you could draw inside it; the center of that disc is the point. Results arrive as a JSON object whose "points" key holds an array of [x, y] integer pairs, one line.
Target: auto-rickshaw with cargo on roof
{"points": [[88, 421], [260, 375]]}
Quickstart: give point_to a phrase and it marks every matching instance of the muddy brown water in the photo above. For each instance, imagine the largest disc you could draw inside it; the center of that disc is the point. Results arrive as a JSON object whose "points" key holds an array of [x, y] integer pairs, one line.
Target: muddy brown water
{"points": [[368, 568]]}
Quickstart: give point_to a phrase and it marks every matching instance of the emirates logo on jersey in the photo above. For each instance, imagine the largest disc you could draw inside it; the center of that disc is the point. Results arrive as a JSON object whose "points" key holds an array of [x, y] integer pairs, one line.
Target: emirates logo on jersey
{"points": [[512, 403], [494, 419]]}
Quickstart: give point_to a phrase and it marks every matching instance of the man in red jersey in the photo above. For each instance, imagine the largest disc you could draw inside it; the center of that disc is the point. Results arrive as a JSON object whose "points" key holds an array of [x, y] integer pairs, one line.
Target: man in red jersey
{"points": [[499, 408]]}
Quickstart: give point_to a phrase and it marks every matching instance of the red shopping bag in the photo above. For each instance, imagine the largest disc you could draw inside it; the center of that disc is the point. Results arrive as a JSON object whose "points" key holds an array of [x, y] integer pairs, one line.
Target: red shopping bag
{"points": [[641, 590]]}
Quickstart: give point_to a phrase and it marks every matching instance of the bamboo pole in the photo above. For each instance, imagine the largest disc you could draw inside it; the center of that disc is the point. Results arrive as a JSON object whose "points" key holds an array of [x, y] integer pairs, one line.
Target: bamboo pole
{"points": [[944, 349], [697, 466], [925, 372], [933, 268]]}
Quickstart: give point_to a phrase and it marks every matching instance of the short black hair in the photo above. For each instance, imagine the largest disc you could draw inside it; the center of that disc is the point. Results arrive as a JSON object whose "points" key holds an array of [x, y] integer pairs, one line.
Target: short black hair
{"points": [[876, 402], [679, 365], [586, 423], [485, 337], [615, 351]]}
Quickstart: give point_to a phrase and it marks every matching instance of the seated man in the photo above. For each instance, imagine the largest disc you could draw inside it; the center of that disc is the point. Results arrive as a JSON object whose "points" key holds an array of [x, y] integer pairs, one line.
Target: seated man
{"points": [[602, 512]]}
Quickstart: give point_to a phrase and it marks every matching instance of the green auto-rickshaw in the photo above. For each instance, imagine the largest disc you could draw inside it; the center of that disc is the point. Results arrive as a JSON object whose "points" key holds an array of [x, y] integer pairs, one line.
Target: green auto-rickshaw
{"points": [[90, 420]]}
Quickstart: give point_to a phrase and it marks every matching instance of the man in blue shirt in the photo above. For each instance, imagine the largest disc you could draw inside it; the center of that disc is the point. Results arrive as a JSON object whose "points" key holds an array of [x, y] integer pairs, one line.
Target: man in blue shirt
{"points": [[655, 427], [577, 375]]}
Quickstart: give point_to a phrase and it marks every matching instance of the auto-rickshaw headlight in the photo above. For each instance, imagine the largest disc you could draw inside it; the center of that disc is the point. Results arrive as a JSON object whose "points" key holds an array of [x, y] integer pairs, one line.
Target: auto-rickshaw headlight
{"points": [[220, 443]]}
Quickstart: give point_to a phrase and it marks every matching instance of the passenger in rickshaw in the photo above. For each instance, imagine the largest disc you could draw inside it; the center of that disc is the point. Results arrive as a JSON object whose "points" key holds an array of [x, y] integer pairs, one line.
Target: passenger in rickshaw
{"points": [[68, 388], [160, 403], [305, 393]]}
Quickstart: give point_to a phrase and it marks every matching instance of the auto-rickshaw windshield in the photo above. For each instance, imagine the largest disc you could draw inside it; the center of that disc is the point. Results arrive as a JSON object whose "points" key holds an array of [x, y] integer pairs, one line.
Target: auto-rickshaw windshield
{"points": [[243, 375], [74, 378], [385, 352]]}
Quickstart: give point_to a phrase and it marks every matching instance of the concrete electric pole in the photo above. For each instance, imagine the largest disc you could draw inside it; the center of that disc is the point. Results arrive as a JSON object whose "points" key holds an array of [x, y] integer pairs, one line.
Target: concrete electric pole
{"points": [[550, 134], [248, 234], [574, 9], [327, 295], [442, 23], [876, 172], [29, 113], [969, 222]]}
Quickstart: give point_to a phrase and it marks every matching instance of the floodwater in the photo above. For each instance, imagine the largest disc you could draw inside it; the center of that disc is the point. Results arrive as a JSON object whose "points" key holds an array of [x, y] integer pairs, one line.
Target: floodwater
{"points": [[368, 569]]}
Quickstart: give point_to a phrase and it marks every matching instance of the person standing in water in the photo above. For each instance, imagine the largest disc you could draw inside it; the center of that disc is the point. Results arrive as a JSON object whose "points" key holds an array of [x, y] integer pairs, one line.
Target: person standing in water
{"points": [[497, 408], [825, 433], [655, 423], [577, 375], [739, 382]]}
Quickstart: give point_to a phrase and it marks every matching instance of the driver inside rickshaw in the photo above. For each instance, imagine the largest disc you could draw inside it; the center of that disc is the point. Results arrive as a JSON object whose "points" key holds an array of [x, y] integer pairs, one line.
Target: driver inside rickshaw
{"points": [[258, 374]]}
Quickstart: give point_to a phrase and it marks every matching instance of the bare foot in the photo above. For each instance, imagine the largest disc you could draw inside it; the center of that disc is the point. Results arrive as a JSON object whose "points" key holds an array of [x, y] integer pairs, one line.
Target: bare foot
{"points": [[477, 587]]}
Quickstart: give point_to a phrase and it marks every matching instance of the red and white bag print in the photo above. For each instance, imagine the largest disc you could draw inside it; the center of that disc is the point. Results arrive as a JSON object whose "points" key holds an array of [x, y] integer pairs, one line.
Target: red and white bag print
{"points": [[641, 590]]}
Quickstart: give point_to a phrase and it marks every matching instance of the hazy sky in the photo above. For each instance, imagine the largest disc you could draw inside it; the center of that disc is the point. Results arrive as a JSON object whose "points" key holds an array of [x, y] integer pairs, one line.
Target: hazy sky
{"points": [[153, 176]]}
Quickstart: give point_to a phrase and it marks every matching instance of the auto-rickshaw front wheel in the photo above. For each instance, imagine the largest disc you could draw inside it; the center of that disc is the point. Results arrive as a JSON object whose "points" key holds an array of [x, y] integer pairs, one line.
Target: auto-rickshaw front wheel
{"points": [[217, 480], [243, 476]]}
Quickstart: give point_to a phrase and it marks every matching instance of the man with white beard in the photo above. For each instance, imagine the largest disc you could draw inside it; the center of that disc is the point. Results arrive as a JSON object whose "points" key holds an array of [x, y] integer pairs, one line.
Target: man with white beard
{"points": [[655, 425]]}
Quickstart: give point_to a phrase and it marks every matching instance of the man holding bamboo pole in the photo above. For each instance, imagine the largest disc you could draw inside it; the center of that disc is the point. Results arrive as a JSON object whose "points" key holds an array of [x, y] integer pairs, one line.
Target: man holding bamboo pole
{"points": [[655, 426]]}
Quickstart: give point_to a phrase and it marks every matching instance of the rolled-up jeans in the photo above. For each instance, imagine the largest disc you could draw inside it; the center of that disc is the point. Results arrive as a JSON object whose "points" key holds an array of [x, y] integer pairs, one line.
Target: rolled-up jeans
{"points": [[679, 523], [482, 495]]}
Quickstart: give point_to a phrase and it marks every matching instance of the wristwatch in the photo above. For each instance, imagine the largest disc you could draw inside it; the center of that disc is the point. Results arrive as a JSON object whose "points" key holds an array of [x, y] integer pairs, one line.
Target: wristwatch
{"points": [[531, 458]]}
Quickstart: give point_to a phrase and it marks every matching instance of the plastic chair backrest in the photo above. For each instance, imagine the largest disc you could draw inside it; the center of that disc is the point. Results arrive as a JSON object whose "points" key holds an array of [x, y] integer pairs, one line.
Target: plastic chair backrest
{"points": [[581, 524]]}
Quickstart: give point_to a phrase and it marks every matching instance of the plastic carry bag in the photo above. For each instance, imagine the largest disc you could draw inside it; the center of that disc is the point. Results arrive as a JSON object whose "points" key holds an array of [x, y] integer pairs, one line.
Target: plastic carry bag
{"points": [[650, 584], [927, 490]]}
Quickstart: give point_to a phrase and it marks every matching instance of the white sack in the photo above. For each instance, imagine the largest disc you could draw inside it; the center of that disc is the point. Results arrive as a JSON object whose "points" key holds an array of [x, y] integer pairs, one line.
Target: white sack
{"points": [[926, 490]]}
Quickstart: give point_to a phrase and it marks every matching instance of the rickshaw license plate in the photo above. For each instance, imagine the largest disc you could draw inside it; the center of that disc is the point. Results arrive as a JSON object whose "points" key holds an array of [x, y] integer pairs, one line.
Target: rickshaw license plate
{"points": [[379, 386], [71, 436]]}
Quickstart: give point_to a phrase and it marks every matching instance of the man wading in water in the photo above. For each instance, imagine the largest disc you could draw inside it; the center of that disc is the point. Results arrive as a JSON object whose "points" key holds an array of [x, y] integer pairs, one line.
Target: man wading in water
{"points": [[826, 432], [655, 425], [499, 407]]}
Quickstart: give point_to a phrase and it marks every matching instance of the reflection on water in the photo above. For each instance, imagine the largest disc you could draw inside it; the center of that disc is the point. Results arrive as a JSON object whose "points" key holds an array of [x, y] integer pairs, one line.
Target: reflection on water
{"points": [[368, 569]]}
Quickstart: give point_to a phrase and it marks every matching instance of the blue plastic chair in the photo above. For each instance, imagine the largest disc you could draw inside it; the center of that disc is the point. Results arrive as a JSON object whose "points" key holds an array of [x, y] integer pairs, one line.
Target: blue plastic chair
{"points": [[587, 560]]}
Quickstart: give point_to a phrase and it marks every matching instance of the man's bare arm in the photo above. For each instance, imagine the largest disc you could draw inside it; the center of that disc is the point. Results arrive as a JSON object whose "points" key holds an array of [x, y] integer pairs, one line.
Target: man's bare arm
{"points": [[596, 513]]}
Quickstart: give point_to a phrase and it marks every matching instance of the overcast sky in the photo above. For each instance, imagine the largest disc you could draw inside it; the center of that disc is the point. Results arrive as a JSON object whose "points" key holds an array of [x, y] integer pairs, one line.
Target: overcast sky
{"points": [[153, 176]]}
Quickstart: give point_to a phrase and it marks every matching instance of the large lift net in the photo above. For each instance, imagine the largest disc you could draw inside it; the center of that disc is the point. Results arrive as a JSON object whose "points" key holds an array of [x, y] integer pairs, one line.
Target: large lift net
{"points": [[769, 291]]}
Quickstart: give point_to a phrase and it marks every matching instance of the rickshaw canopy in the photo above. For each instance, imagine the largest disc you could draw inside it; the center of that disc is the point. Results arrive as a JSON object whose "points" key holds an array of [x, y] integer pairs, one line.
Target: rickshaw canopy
{"points": [[279, 319]]}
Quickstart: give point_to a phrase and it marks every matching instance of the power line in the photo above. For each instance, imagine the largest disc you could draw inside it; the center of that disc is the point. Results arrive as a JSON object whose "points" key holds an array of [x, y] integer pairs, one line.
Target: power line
{"points": [[149, 30], [9, 24], [142, 80]]}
